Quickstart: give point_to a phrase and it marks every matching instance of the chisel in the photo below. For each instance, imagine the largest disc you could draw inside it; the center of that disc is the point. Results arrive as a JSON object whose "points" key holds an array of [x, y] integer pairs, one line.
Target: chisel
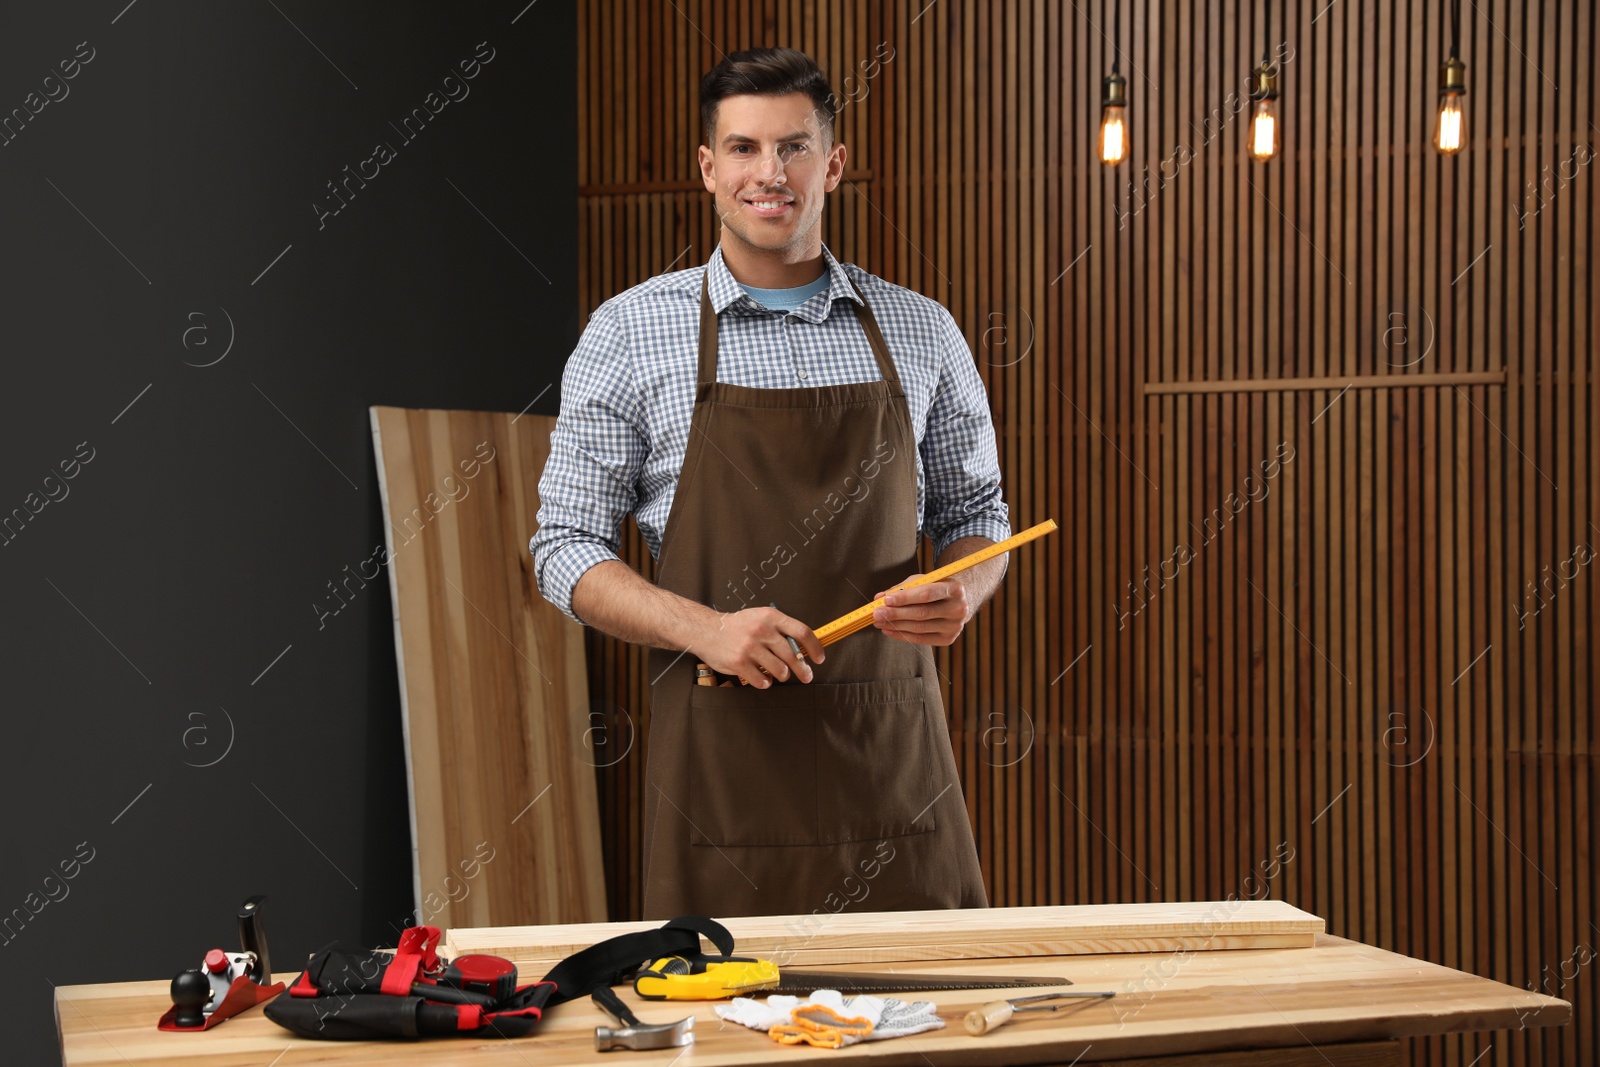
{"points": [[982, 1020]]}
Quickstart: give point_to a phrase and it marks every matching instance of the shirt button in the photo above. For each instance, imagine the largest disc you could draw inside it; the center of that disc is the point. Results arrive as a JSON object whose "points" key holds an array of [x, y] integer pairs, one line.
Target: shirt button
{"points": [[803, 374], [791, 319]]}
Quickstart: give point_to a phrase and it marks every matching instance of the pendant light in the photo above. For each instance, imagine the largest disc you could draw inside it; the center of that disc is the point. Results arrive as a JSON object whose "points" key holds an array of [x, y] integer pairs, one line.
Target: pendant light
{"points": [[1450, 135], [1264, 119], [1264, 91], [1113, 112]]}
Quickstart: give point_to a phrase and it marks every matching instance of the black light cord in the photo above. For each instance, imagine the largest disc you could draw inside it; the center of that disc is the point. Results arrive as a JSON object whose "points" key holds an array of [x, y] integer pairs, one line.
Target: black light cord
{"points": [[1116, 16]]}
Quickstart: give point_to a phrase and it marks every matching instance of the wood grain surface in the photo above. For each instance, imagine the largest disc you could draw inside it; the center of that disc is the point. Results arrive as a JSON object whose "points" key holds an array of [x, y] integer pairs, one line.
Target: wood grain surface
{"points": [[1310, 1002], [1353, 667], [896, 936], [494, 690]]}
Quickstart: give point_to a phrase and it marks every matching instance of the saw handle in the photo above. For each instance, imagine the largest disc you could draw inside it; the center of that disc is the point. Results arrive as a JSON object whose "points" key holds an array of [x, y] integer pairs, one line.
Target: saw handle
{"points": [[981, 1020], [675, 978]]}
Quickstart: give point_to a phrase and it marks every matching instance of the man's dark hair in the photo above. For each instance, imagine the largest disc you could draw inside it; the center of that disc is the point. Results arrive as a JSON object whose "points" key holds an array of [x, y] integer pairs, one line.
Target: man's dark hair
{"points": [[766, 72]]}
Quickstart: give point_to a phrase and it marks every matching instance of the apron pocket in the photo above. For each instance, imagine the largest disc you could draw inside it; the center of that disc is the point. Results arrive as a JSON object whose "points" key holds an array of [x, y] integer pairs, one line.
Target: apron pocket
{"points": [[810, 764]]}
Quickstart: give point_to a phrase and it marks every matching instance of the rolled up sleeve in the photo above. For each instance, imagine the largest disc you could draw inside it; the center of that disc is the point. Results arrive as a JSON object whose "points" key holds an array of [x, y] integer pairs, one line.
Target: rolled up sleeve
{"points": [[959, 458], [599, 445]]}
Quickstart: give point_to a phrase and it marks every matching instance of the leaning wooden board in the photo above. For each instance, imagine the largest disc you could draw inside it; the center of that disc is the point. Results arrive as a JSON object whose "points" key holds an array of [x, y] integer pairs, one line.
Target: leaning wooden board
{"points": [[494, 694], [889, 937], [1338, 1002]]}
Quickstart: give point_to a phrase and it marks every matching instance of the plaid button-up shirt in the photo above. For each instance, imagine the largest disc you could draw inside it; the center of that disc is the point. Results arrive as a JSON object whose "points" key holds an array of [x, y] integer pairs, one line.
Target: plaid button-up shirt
{"points": [[628, 392]]}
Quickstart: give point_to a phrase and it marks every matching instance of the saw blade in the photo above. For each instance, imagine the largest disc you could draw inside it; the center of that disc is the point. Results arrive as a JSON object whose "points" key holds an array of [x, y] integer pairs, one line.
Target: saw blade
{"points": [[801, 983]]}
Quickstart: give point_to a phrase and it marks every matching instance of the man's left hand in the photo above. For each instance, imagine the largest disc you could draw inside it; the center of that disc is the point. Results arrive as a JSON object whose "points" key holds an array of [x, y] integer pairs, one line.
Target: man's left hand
{"points": [[932, 614]]}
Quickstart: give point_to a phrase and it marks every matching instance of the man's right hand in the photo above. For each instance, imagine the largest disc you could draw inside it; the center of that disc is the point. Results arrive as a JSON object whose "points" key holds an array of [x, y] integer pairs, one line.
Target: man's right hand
{"points": [[614, 598], [753, 645]]}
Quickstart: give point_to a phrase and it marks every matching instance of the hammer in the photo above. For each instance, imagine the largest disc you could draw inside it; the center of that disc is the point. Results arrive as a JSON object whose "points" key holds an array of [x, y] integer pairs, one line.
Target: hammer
{"points": [[634, 1034]]}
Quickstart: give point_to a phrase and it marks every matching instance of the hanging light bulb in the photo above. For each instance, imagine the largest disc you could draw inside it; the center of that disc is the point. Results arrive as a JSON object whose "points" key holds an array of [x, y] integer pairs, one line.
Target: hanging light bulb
{"points": [[1113, 122], [1114, 106], [1264, 120], [1450, 135]]}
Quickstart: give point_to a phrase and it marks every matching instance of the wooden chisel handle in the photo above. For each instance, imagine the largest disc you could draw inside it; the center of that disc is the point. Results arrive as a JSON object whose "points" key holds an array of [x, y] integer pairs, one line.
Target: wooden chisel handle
{"points": [[982, 1020]]}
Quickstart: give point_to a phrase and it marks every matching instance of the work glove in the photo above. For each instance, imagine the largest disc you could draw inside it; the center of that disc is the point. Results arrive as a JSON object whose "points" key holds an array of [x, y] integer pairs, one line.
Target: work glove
{"points": [[827, 1020]]}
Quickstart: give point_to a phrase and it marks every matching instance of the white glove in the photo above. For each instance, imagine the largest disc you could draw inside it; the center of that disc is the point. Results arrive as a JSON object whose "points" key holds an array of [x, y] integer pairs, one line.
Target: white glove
{"points": [[899, 1019], [760, 1015]]}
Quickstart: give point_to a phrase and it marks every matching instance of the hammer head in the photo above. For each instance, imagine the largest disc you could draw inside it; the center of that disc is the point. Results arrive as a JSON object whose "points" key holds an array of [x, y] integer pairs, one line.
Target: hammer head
{"points": [[633, 1034], [643, 1036]]}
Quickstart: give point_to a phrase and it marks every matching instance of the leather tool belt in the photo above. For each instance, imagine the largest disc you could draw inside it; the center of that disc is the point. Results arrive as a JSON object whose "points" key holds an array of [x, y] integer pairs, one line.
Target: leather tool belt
{"points": [[347, 993]]}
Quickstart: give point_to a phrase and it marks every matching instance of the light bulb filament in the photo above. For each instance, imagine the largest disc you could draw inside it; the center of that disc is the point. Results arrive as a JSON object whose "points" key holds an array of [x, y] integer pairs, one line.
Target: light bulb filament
{"points": [[1113, 136], [1264, 131], [1448, 140]]}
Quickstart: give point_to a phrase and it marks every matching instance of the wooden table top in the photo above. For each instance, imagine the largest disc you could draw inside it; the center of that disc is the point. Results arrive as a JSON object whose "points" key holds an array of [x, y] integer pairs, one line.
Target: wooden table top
{"points": [[1168, 1003]]}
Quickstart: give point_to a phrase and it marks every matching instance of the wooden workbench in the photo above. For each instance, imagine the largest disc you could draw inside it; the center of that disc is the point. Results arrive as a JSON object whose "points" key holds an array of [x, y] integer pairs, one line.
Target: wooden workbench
{"points": [[1337, 1003]]}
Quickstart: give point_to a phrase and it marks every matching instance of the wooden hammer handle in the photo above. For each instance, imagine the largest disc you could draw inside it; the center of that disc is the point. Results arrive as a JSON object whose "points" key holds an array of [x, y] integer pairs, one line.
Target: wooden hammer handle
{"points": [[982, 1020]]}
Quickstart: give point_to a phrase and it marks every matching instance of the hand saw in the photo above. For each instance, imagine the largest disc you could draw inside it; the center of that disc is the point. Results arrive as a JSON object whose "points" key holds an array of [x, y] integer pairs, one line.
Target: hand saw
{"points": [[677, 978]]}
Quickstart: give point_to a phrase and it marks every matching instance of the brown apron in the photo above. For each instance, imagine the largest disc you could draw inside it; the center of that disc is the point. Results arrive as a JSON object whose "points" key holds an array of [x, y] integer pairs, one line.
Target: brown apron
{"points": [[800, 798]]}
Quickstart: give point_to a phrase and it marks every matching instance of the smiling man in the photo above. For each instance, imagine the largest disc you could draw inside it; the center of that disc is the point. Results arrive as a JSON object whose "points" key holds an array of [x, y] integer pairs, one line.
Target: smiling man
{"points": [[785, 428]]}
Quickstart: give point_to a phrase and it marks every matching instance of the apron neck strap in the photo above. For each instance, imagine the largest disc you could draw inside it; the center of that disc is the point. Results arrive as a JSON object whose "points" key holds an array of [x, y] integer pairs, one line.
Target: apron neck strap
{"points": [[708, 336]]}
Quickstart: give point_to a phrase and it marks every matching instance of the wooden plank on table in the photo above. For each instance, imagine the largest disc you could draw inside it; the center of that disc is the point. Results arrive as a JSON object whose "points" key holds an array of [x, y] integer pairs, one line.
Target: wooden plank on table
{"points": [[494, 692], [1201, 1005], [922, 935]]}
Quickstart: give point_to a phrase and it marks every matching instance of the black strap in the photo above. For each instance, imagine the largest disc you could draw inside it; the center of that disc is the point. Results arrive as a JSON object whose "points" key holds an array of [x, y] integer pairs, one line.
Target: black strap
{"points": [[613, 959]]}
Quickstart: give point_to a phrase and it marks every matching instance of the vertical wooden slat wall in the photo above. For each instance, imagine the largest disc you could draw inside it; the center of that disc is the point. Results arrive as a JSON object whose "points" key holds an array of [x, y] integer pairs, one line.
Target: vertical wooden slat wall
{"points": [[1319, 432]]}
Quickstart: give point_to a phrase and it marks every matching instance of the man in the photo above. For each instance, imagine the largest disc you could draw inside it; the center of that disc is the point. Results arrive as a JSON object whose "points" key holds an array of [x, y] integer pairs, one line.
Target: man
{"points": [[784, 428]]}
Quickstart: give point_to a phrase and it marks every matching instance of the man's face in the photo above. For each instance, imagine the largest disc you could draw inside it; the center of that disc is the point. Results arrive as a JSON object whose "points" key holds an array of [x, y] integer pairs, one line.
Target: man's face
{"points": [[769, 167]]}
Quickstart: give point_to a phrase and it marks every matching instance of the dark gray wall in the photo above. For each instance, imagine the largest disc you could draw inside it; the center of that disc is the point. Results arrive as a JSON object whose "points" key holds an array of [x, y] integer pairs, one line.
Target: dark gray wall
{"points": [[159, 612]]}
